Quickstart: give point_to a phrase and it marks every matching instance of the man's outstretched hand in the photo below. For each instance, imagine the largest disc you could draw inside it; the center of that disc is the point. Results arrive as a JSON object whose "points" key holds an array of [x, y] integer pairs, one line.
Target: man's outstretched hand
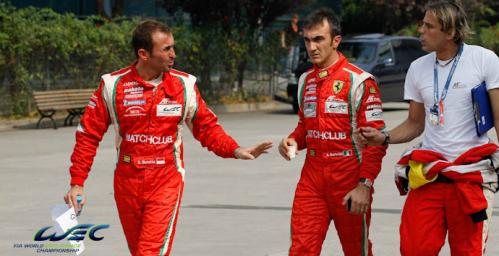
{"points": [[253, 152]]}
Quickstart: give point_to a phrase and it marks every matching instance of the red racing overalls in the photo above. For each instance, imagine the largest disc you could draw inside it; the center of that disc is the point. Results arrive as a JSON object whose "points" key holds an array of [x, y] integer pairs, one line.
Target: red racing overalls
{"points": [[333, 102], [149, 177]]}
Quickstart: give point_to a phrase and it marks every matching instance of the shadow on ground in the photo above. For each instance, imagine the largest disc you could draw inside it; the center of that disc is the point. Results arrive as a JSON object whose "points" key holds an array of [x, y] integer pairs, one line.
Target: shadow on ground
{"points": [[45, 124]]}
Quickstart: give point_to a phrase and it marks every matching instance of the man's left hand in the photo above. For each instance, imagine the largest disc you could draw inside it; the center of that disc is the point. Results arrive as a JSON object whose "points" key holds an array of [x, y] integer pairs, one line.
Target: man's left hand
{"points": [[360, 198], [253, 152]]}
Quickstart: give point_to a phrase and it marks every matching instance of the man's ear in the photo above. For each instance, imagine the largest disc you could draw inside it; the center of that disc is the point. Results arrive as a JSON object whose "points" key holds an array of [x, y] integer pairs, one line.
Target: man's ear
{"points": [[336, 41], [451, 34], [143, 54]]}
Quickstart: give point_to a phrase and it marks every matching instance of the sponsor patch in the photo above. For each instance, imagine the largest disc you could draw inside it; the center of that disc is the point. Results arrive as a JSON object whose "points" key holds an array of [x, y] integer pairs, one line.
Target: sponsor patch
{"points": [[339, 153], [308, 92], [169, 110], [311, 89], [134, 96], [310, 98], [310, 109], [150, 161], [132, 83], [135, 111], [458, 85], [312, 152], [92, 103], [336, 107], [133, 102], [372, 90], [337, 86], [160, 161], [372, 99], [374, 106], [126, 159], [374, 115], [311, 80], [323, 74], [134, 89], [326, 135], [148, 139]]}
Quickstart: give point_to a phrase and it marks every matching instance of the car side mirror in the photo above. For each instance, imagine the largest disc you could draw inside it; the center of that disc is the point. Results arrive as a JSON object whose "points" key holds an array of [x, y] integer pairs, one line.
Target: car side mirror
{"points": [[388, 62]]}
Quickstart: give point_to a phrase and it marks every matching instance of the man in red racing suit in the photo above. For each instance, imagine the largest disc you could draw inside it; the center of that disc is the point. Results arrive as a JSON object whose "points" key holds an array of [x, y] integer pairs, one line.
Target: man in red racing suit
{"points": [[336, 180], [148, 118]]}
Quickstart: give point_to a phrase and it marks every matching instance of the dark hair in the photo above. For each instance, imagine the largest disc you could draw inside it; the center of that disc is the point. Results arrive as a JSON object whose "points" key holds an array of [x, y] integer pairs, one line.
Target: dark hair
{"points": [[317, 17], [451, 16], [142, 38]]}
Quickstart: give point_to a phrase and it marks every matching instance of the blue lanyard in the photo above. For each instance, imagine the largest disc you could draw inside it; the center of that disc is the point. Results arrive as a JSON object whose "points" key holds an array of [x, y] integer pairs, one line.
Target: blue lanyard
{"points": [[449, 77]]}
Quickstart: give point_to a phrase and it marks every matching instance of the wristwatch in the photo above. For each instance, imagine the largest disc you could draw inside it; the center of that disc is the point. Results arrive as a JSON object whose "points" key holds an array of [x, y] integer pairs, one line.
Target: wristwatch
{"points": [[387, 138], [366, 182]]}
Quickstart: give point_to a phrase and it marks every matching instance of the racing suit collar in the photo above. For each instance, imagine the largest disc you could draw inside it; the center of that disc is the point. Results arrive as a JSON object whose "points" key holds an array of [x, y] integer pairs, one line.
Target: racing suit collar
{"points": [[165, 85], [324, 73]]}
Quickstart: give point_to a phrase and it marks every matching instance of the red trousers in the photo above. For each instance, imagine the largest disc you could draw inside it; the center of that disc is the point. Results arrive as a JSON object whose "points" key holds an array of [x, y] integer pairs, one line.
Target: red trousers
{"points": [[432, 211], [148, 202], [318, 200]]}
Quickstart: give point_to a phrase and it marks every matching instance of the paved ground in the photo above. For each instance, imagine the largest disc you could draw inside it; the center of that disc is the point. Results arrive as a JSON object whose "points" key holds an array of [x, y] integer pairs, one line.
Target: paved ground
{"points": [[230, 207]]}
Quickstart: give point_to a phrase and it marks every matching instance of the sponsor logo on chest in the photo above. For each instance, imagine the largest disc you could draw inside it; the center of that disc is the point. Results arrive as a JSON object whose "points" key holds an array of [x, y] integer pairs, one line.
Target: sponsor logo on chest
{"points": [[133, 102], [134, 90], [168, 107], [326, 135], [335, 106], [310, 89], [148, 139], [337, 86], [132, 83], [310, 109], [309, 98], [135, 111]]}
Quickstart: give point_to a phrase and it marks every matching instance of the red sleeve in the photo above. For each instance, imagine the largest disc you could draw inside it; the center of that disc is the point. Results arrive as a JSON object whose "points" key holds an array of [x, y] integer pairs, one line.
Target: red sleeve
{"points": [[371, 114], [209, 132], [93, 125], [299, 133]]}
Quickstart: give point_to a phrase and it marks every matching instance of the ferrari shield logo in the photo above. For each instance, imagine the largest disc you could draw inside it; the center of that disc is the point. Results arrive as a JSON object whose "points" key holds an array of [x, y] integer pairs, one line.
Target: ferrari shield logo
{"points": [[372, 90], [337, 86]]}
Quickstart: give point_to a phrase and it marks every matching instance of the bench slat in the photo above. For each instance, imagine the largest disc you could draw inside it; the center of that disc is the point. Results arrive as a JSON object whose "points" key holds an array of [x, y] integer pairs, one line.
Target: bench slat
{"points": [[62, 99]]}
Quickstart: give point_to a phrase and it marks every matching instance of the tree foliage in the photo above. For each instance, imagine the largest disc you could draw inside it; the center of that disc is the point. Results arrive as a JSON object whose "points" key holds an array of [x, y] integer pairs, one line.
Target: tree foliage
{"points": [[363, 16], [230, 32], [41, 49]]}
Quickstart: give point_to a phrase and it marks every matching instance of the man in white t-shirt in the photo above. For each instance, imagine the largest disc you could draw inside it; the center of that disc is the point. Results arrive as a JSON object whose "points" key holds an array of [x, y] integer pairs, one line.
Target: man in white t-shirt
{"points": [[438, 88]]}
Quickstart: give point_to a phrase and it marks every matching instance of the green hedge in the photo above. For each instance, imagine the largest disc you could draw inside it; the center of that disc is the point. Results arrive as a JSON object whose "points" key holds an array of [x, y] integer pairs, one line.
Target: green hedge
{"points": [[41, 49], [44, 50]]}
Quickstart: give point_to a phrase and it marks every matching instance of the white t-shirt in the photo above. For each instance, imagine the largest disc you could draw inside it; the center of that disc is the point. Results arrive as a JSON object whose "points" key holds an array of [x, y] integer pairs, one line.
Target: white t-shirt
{"points": [[458, 133], [156, 81]]}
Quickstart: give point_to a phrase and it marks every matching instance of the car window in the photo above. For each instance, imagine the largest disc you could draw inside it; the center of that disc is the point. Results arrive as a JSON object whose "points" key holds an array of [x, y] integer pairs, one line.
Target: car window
{"points": [[385, 53], [358, 52], [406, 51]]}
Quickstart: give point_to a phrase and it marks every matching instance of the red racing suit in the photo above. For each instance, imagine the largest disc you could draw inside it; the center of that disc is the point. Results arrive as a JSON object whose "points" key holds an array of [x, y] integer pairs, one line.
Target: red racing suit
{"points": [[458, 202], [334, 101], [149, 177]]}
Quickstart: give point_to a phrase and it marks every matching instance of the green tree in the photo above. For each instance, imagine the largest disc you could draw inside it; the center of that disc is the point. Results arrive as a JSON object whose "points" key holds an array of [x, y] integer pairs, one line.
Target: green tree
{"points": [[229, 32]]}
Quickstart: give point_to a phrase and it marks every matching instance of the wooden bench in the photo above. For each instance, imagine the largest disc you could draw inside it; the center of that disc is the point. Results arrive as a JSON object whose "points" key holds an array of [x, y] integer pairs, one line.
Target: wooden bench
{"points": [[72, 100]]}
